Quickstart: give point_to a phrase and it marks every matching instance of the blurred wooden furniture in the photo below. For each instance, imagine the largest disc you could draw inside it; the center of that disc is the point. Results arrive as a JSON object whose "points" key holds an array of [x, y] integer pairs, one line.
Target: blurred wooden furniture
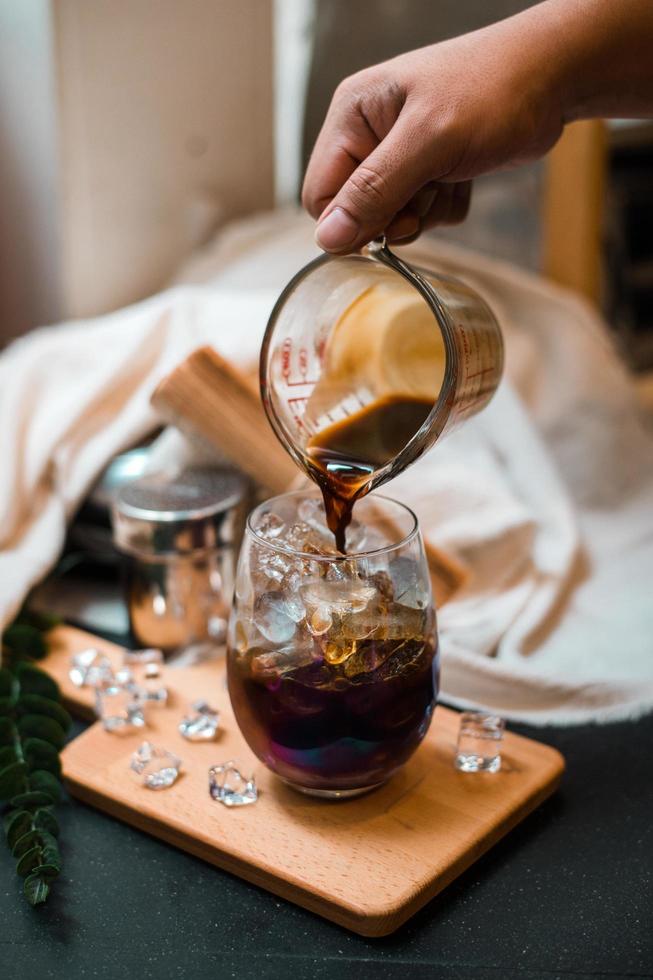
{"points": [[577, 228], [573, 208]]}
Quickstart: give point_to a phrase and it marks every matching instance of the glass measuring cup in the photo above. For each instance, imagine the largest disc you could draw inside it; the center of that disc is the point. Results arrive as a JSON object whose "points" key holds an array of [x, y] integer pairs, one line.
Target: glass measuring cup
{"points": [[368, 344]]}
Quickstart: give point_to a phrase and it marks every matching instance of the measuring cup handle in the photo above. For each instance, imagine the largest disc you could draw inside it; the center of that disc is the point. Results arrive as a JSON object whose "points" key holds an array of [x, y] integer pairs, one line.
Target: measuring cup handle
{"points": [[378, 244]]}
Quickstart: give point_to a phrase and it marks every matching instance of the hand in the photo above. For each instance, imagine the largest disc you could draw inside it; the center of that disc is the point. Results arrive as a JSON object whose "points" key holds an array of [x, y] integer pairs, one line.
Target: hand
{"points": [[402, 140]]}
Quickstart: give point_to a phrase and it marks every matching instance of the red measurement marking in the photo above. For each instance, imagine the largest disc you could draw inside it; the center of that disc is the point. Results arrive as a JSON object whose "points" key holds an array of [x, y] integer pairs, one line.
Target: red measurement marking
{"points": [[286, 349], [297, 384]]}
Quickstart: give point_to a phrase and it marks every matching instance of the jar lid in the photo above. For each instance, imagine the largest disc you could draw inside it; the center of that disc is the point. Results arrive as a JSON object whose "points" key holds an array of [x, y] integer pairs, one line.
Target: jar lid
{"points": [[158, 515]]}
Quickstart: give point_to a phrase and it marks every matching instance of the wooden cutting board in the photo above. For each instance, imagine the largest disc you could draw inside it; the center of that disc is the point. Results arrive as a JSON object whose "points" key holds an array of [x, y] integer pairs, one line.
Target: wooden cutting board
{"points": [[367, 864]]}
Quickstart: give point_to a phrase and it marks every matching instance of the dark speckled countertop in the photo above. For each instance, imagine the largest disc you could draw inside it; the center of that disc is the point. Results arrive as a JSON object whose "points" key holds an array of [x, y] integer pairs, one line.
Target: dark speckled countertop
{"points": [[569, 893]]}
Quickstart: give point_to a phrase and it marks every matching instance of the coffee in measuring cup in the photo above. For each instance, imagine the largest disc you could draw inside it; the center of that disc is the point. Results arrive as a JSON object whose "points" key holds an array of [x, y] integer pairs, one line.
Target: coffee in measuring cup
{"points": [[366, 362]]}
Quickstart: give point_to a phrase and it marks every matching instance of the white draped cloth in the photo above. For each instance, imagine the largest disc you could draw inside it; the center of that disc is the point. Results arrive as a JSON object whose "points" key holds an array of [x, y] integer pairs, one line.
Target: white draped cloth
{"points": [[546, 496]]}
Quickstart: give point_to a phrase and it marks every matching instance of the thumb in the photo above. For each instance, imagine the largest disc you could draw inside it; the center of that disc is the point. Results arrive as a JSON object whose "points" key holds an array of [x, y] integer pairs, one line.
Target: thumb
{"points": [[382, 184]]}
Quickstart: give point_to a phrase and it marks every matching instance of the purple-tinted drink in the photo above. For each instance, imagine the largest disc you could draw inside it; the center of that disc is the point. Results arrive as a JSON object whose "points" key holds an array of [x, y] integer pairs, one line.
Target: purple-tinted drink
{"points": [[318, 728]]}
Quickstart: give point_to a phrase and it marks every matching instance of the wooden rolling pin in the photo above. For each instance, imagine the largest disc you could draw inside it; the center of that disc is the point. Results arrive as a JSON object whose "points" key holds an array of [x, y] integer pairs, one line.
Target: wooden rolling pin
{"points": [[206, 395]]}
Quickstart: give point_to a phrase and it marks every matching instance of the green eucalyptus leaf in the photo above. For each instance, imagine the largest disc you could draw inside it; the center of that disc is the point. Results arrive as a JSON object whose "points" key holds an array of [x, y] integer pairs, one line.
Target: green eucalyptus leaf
{"points": [[12, 779], [36, 888], [25, 842], [40, 726], [34, 704], [46, 820], [45, 782], [35, 681], [29, 860], [7, 731], [42, 621], [50, 848], [47, 871], [7, 755], [16, 823], [6, 682], [25, 640], [31, 799], [33, 727], [41, 755]]}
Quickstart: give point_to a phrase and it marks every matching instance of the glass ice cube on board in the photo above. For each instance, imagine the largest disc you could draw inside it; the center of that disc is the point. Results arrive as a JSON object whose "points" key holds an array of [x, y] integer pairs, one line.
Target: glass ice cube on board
{"points": [[156, 767], [124, 677], [201, 725], [228, 786], [143, 678], [149, 655], [90, 668], [479, 742], [120, 709], [153, 691]]}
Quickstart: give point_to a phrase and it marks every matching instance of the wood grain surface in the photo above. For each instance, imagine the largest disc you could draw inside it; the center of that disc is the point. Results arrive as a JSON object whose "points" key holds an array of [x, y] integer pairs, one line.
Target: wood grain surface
{"points": [[367, 864]]}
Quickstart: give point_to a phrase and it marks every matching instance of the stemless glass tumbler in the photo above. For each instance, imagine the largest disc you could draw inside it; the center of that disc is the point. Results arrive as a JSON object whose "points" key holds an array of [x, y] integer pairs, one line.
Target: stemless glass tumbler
{"points": [[332, 659]]}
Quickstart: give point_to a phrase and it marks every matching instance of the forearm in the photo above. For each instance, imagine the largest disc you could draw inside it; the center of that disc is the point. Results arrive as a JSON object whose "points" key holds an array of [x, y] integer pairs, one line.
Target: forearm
{"points": [[603, 52]]}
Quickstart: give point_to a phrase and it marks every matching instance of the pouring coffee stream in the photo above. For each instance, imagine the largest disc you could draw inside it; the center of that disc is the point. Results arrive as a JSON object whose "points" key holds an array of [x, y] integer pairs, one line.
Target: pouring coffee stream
{"points": [[343, 458], [365, 362]]}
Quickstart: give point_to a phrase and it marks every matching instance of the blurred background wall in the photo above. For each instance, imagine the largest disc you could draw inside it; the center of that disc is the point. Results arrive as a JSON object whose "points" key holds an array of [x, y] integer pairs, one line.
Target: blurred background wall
{"points": [[30, 285], [129, 129]]}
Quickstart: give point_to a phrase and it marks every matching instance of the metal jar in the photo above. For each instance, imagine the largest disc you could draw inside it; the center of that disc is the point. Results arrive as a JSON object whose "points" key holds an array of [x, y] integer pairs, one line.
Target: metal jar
{"points": [[179, 540]]}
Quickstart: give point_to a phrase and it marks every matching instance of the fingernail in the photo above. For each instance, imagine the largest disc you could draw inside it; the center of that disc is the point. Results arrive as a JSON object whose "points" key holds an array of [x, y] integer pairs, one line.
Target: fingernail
{"points": [[336, 231]]}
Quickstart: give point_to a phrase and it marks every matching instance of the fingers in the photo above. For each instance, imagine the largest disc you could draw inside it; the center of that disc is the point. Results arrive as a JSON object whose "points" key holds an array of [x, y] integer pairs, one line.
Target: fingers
{"points": [[406, 225], [371, 202], [450, 205], [421, 203], [375, 191], [435, 204], [343, 142], [371, 172]]}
